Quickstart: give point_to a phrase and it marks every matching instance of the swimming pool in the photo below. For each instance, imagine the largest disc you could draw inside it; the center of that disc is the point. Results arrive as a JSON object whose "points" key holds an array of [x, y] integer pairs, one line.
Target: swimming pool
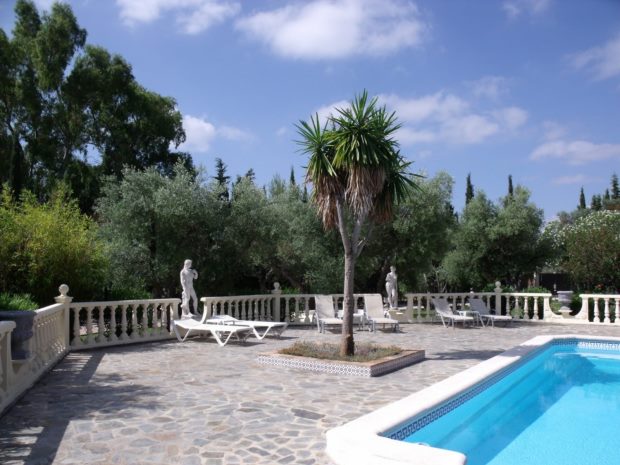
{"points": [[551, 400]]}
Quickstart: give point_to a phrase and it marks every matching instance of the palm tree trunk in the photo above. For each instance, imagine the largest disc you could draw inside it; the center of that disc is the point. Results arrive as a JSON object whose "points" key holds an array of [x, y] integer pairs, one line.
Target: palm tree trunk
{"points": [[347, 344]]}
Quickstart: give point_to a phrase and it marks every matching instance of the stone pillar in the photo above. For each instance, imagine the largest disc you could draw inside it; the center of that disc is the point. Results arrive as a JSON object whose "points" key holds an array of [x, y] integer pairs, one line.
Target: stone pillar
{"points": [[276, 292], [65, 299], [498, 299]]}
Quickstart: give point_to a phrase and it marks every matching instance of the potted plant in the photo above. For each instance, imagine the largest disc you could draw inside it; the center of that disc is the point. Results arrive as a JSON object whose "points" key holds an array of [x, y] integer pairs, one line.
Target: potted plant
{"points": [[20, 309]]}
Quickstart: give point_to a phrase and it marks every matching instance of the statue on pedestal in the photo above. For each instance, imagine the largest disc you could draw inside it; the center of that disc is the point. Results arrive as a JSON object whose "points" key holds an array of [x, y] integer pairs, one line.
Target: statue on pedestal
{"points": [[391, 287], [187, 283]]}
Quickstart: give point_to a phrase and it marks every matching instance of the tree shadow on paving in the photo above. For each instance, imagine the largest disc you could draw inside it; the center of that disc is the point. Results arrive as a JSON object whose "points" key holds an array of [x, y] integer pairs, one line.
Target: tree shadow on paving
{"points": [[31, 431], [464, 355]]}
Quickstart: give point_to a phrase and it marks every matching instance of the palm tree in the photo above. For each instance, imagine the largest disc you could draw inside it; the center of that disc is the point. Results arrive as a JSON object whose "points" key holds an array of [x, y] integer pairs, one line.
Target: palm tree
{"points": [[357, 174]]}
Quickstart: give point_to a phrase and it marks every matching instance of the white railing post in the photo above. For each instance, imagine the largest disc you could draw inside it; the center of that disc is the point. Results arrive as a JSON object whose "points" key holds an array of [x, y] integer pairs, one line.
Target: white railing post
{"points": [[498, 299], [65, 299], [547, 312], [607, 319], [277, 292], [585, 310]]}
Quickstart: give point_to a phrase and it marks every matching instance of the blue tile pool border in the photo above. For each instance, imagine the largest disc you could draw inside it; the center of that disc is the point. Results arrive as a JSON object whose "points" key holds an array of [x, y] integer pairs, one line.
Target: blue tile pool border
{"points": [[402, 431]]}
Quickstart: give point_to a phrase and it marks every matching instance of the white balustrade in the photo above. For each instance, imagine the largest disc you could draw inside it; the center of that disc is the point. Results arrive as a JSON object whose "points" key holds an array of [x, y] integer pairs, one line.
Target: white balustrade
{"points": [[605, 308]]}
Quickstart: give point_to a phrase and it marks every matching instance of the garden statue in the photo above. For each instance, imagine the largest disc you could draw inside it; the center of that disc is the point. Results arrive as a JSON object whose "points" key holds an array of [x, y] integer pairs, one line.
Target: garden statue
{"points": [[187, 283], [391, 286]]}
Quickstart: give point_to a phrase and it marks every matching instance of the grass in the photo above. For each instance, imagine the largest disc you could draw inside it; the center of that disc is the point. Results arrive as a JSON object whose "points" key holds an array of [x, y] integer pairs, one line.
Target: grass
{"points": [[363, 352]]}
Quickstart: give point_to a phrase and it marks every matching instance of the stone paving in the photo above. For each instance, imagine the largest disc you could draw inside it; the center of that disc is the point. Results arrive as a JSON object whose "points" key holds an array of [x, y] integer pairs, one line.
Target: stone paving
{"points": [[197, 403]]}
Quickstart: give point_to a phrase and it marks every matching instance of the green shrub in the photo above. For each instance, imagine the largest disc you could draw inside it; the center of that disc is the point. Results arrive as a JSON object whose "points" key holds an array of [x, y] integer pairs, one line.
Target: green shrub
{"points": [[17, 302]]}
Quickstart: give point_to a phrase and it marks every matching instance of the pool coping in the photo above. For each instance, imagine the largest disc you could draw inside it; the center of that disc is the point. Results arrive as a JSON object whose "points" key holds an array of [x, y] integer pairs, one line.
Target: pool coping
{"points": [[360, 442]]}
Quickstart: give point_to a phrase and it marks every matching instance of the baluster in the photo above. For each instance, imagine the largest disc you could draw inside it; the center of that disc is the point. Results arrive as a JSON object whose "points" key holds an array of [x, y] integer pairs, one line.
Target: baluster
{"points": [[535, 315], [145, 319], [112, 336], [597, 316], [616, 317], [77, 341], [89, 325], [607, 319], [517, 309], [123, 322], [526, 308], [164, 318], [134, 321], [287, 311], [100, 325]]}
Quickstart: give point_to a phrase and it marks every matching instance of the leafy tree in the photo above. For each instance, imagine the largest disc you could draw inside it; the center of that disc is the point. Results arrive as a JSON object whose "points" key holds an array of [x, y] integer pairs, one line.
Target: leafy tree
{"points": [[43, 246], [153, 223], [497, 242], [60, 99], [592, 251], [357, 174], [415, 241], [469, 190]]}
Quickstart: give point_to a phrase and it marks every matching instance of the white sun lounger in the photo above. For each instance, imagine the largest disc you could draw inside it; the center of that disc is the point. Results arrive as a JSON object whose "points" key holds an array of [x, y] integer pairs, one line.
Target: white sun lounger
{"points": [[221, 333], [479, 306], [376, 314], [276, 328], [445, 313], [325, 313]]}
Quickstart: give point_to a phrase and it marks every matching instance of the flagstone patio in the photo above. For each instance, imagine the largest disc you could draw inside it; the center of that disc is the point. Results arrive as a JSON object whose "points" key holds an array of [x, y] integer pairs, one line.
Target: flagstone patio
{"points": [[197, 403]]}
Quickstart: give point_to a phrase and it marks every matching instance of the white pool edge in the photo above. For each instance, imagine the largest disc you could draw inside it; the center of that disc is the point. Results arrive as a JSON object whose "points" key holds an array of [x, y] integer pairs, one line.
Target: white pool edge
{"points": [[359, 442]]}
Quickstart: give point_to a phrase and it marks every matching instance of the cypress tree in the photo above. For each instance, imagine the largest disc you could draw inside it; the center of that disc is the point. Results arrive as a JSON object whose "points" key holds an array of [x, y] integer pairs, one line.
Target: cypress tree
{"points": [[221, 178], [469, 190], [615, 190], [292, 178], [510, 188], [582, 200]]}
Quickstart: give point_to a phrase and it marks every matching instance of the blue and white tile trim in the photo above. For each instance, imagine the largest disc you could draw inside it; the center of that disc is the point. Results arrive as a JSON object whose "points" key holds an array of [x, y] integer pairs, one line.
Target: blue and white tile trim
{"points": [[342, 368], [403, 431]]}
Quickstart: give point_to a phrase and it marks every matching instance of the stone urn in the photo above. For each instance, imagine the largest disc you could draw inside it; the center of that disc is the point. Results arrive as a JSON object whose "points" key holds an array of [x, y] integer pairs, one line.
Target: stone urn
{"points": [[24, 320], [565, 298]]}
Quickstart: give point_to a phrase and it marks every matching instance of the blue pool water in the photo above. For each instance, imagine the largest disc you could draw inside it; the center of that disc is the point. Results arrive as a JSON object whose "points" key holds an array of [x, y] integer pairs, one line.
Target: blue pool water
{"points": [[562, 407]]}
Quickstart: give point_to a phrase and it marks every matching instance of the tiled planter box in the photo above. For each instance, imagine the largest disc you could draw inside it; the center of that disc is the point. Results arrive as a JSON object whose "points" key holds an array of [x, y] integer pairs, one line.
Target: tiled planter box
{"points": [[364, 369]]}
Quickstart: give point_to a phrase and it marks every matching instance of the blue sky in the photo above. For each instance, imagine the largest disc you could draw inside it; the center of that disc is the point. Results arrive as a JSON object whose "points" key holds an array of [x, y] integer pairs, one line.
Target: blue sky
{"points": [[528, 88]]}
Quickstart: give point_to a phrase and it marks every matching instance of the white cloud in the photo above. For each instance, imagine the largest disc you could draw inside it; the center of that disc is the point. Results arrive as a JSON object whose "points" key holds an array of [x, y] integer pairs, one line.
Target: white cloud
{"points": [[576, 179], [194, 16], [332, 29], [327, 111], [281, 131], [553, 130], [491, 87], [516, 8], [511, 118], [603, 62], [200, 134], [447, 117], [578, 152]]}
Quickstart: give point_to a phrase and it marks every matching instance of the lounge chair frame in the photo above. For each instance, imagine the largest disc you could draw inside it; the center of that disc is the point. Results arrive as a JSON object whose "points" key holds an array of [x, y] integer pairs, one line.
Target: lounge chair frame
{"points": [[221, 333], [276, 328], [375, 313]]}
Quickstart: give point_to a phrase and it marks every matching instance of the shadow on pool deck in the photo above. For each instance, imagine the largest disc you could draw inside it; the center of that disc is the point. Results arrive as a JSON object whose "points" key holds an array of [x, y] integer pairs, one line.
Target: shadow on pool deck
{"points": [[35, 439]]}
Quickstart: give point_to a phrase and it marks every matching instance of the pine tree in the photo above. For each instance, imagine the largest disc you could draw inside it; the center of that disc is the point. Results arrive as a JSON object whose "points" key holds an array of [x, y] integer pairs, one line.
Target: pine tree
{"points": [[250, 175], [607, 196], [469, 190], [510, 188], [582, 200], [615, 189]]}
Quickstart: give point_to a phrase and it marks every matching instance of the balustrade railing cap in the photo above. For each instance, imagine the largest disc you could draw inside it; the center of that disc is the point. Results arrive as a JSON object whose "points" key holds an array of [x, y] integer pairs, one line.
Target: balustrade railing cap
{"points": [[63, 298]]}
